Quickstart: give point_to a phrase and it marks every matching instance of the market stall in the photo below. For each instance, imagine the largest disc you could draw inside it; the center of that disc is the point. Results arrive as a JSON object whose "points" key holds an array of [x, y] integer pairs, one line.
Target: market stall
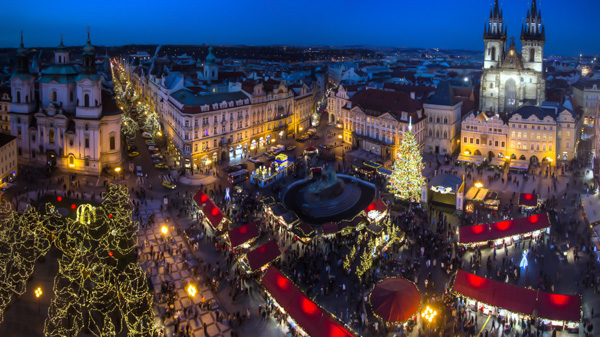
{"points": [[330, 229], [470, 159], [481, 198], [304, 232], [442, 190], [312, 319], [500, 231], [519, 165], [508, 301], [591, 208], [211, 213], [528, 201], [260, 257], [264, 176], [376, 211], [499, 162], [243, 236]]}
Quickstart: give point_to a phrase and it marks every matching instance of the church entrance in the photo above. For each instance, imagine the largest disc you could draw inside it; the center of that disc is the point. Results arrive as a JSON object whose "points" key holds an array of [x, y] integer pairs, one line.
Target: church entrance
{"points": [[51, 158], [510, 94]]}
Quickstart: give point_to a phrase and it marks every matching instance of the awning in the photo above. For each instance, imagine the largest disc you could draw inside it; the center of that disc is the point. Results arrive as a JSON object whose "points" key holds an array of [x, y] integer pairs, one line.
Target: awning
{"points": [[372, 164], [314, 320], [502, 229], [519, 164], [262, 255], [528, 199], [209, 209], [476, 194], [497, 161], [243, 234], [471, 159], [518, 300]]}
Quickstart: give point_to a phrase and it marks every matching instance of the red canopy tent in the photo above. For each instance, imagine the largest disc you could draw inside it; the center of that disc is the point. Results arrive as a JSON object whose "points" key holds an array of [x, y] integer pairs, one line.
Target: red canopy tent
{"points": [[559, 307], [243, 234], [262, 255], [528, 199], [503, 229], [395, 300], [516, 299], [209, 209], [314, 320]]}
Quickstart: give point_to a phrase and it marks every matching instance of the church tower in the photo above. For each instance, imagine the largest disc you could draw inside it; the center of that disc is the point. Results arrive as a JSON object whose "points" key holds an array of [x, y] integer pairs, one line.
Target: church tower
{"points": [[61, 54], [22, 84], [211, 69], [494, 36], [89, 86], [533, 38]]}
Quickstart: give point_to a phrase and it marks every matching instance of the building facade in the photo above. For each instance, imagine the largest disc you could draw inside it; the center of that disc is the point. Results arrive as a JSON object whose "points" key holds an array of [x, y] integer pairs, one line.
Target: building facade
{"points": [[484, 134], [4, 109], [587, 96], [443, 112], [8, 158], [375, 120], [511, 79], [73, 124]]}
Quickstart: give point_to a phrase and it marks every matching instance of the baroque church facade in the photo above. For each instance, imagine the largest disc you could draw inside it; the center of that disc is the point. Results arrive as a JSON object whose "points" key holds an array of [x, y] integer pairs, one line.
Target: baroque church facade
{"points": [[511, 78], [70, 121]]}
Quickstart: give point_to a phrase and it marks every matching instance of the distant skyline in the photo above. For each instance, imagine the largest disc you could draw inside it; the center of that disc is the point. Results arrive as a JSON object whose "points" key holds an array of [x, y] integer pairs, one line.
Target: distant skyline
{"points": [[570, 26]]}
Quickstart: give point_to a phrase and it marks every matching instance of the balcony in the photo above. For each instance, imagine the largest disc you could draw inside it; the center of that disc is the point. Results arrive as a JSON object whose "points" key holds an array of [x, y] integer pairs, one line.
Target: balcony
{"points": [[281, 116]]}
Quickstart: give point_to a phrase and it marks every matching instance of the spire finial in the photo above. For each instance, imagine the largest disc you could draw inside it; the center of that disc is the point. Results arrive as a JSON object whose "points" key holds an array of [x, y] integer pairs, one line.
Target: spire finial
{"points": [[21, 38], [88, 33], [61, 39], [410, 123]]}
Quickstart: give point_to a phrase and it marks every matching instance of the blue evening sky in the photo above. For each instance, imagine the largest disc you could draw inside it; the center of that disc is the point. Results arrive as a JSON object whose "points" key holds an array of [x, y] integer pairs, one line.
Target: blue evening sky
{"points": [[571, 26]]}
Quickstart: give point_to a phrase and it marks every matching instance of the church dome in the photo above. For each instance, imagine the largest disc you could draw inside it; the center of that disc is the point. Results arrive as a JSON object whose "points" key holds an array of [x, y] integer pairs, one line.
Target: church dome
{"points": [[210, 58], [89, 49]]}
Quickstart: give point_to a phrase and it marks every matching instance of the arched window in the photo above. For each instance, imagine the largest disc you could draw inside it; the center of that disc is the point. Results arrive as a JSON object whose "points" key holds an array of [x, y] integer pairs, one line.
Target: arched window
{"points": [[437, 134], [71, 96], [54, 96], [71, 160], [430, 133], [532, 55], [18, 97], [445, 120], [493, 53], [445, 134], [59, 59], [112, 142], [51, 136], [86, 100]]}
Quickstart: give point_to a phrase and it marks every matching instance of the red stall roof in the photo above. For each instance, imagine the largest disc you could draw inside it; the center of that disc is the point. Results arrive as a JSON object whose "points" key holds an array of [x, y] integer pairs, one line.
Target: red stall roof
{"points": [[559, 307], [243, 234], [503, 229], [377, 205], [516, 299], [528, 199], [262, 255], [208, 207], [317, 322]]}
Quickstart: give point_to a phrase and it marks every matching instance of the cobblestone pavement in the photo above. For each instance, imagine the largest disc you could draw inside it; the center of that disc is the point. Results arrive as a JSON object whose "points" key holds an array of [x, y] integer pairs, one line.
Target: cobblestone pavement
{"points": [[180, 275]]}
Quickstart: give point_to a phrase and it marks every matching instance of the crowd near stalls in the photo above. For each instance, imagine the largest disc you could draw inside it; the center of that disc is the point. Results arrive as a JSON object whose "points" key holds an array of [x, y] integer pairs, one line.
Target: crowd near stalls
{"points": [[509, 303], [528, 202]]}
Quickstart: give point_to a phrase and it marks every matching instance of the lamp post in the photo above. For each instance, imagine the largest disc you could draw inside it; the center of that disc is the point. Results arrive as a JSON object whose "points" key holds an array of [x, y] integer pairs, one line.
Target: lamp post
{"points": [[38, 294], [164, 229], [191, 290]]}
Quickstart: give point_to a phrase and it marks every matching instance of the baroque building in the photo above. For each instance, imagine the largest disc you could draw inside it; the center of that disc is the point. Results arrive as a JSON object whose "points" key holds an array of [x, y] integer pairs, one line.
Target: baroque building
{"points": [[511, 79], [72, 123]]}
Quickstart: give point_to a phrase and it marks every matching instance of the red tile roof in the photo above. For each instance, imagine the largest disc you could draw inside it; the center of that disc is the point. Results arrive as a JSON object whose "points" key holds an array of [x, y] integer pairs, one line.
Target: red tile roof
{"points": [[393, 102], [262, 255]]}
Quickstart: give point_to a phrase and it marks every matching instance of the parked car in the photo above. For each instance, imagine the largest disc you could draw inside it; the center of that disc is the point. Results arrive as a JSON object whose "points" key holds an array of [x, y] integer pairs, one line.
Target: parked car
{"points": [[151, 148], [139, 171], [133, 154], [161, 166], [169, 185], [323, 146], [157, 156], [150, 144], [290, 148], [254, 159], [146, 135]]}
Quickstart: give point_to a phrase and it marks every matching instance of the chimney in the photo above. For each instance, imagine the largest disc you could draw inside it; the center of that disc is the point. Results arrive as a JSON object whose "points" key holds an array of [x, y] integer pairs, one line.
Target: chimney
{"points": [[412, 95]]}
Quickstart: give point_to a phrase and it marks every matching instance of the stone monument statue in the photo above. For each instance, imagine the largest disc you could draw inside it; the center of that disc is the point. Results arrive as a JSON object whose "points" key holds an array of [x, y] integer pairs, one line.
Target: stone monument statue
{"points": [[328, 186]]}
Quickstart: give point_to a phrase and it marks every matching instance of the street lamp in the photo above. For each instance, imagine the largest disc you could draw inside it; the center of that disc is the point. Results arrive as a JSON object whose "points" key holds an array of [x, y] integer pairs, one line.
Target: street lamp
{"points": [[164, 229], [117, 169], [191, 290], [428, 314], [38, 294], [478, 184]]}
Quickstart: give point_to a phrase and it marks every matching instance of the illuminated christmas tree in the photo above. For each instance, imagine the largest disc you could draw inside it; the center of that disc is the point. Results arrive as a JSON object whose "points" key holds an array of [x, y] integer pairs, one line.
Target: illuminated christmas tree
{"points": [[407, 179]]}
